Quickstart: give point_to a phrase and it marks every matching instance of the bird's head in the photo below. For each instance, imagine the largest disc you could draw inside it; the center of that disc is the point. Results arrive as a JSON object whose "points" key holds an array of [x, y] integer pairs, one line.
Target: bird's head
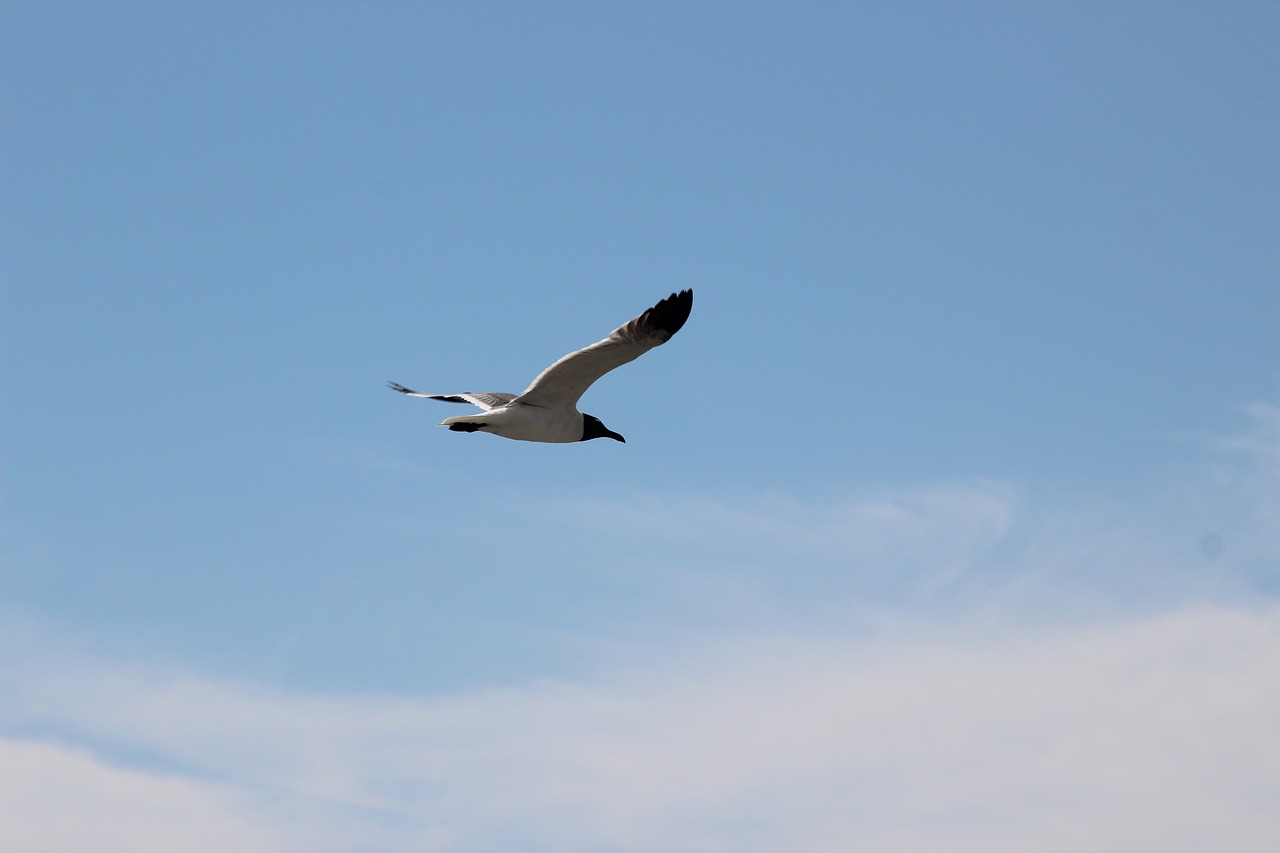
{"points": [[592, 428]]}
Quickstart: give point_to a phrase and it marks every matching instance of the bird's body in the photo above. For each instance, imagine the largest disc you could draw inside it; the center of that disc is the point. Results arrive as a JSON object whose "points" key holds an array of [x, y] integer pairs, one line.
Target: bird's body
{"points": [[524, 423], [547, 410]]}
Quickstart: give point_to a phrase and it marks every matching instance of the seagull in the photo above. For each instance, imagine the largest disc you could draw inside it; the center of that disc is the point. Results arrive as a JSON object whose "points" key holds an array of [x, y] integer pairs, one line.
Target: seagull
{"points": [[548, 409]]}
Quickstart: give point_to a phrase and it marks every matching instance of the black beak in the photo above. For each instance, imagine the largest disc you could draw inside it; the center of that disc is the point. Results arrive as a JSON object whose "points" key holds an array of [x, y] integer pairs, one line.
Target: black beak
{"points": [[615, 436]]}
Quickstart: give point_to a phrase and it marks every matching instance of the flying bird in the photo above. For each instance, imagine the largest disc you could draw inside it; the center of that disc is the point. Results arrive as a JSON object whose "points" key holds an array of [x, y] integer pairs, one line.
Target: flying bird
{"points": [[548, 409]]}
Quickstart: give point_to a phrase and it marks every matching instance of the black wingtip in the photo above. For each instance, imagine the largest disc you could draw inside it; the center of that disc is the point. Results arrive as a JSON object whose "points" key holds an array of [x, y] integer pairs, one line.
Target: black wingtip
{"points": [[396, 386], [670, 314]]}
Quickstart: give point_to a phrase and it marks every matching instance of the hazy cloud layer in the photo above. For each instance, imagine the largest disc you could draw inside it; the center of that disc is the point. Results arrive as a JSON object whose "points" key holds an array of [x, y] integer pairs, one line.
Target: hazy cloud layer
{"points": [[1147, 724], [1150, 734]]}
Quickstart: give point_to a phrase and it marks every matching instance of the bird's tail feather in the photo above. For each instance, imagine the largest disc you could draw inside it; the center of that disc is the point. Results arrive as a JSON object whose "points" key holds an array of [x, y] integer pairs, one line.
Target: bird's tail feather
{"points": [[466, 423]]}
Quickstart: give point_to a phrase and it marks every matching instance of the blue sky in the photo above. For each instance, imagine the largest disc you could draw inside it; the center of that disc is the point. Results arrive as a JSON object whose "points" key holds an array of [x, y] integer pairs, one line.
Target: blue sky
{"points": [[947, 522]]}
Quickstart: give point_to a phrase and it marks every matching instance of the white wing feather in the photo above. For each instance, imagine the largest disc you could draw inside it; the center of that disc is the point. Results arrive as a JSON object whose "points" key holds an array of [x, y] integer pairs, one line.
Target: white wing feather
{"points": [[562, 384], [487, 400]]}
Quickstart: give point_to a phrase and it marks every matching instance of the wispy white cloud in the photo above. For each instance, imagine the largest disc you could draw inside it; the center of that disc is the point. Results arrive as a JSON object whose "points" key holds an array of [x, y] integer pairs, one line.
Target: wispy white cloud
{"points": [[747, 558]]}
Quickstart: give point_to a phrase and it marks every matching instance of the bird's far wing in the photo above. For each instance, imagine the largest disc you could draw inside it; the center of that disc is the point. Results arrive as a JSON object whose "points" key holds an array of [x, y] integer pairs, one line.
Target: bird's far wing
{"points": [[484, 399], [563, 383]]}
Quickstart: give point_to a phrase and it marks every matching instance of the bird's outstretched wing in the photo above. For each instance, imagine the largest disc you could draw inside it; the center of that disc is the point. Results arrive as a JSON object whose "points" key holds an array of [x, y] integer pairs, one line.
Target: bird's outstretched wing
{"points": [[486, 400], [563, 383]]}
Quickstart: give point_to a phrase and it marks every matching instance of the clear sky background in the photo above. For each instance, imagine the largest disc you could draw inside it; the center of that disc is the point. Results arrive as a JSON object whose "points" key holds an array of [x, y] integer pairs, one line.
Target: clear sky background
{"points": [[950, 521]]}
